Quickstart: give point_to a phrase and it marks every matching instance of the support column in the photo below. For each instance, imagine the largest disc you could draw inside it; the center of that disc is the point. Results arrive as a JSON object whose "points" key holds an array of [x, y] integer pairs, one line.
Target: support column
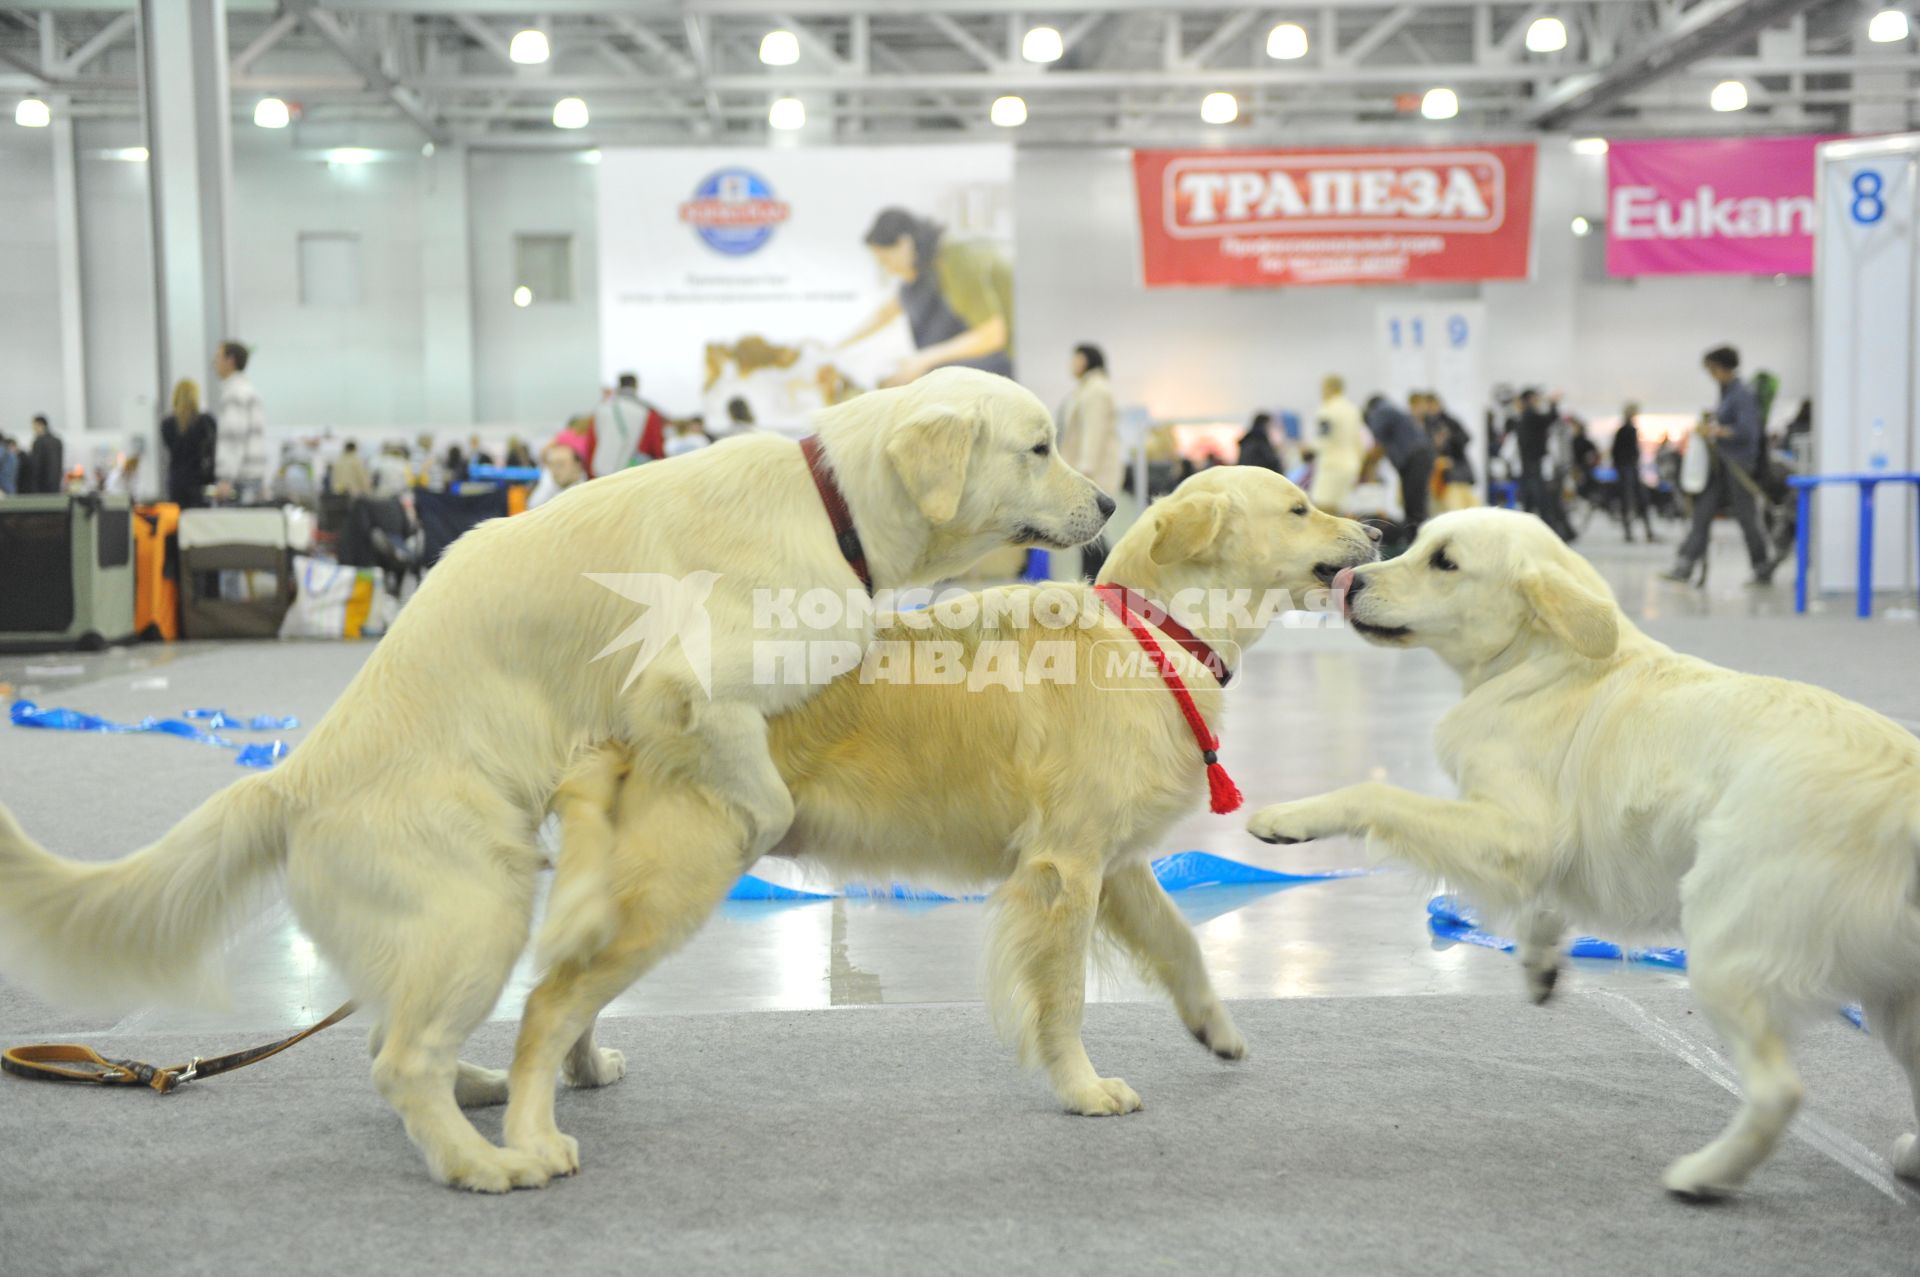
{"points": [[446, 277], [190, 147]]}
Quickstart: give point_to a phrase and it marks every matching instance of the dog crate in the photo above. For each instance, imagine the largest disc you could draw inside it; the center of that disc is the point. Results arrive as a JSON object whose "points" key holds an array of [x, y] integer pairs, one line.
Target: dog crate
{"points": [[66, 571], [236, 572]]}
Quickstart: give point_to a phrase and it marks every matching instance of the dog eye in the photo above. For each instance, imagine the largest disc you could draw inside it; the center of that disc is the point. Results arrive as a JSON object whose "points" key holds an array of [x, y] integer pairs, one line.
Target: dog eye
{"points": [[1042, 449], [1441, 563], [1301, 509]]}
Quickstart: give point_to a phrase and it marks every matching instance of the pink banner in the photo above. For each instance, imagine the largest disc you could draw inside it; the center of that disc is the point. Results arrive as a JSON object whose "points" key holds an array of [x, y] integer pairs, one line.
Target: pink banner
{"points": [[1720, 206]]}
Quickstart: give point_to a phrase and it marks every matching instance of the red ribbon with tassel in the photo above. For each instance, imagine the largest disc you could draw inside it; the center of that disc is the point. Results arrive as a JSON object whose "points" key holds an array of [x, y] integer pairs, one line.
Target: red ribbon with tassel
{"points": [[1224, 796]]}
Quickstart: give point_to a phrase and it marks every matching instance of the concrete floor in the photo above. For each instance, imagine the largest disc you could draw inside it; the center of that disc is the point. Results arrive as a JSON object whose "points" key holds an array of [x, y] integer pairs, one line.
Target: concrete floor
{"points": [[1315, 709]]}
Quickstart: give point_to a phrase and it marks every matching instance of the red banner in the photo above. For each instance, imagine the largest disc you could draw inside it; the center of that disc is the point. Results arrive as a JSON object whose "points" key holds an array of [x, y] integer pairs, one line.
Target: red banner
{"points": [[1336, 216]]}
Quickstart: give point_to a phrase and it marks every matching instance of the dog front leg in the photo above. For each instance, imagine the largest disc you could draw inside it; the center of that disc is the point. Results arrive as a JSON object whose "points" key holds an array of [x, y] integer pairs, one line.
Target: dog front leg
{"points": [[1043, 926], [1498, 857], [1137, 912], [1540, 935]]}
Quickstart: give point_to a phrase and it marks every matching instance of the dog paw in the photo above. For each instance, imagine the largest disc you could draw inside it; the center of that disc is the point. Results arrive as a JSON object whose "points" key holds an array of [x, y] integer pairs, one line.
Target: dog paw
{"points": [[496, 1171], [604, 1067], [1541, 980], [1701, 1177], [1105, 1097], [1220, 1035], [1284, 823], [556, 1153], [476, 1087], [1906, 1157]]}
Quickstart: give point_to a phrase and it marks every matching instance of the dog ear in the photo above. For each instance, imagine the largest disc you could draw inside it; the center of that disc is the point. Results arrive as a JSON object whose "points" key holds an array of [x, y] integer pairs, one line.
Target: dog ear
{"points": [[1189, 526], [1588, 621], [929, 451]]}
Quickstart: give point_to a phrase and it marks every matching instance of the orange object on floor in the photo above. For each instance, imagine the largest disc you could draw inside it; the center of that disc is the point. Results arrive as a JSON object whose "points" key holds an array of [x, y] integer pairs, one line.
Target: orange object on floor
{"points": [[517, 498], [156, 571]]}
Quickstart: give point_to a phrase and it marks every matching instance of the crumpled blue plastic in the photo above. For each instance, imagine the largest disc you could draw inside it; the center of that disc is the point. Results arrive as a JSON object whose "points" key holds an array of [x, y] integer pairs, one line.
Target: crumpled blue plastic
{"points": [[28, 714], [1182, 871], [216, 719]]}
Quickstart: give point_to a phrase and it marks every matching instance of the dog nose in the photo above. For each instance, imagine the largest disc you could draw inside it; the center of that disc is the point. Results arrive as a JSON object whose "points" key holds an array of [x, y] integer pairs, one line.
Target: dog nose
{"points": [[1106, 505]]}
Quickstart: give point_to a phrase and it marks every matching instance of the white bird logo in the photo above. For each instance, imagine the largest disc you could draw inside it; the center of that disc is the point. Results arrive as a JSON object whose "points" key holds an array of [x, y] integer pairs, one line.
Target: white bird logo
{"points": [[675, 608]]}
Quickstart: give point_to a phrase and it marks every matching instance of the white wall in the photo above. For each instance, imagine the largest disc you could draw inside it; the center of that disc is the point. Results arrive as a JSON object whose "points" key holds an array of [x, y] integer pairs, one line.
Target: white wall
{"points": [[29, 300], [1201, 352]]}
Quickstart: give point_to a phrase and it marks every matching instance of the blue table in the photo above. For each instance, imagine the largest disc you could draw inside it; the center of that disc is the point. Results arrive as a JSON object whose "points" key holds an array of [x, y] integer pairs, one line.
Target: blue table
{"points": [[1803, 486]]}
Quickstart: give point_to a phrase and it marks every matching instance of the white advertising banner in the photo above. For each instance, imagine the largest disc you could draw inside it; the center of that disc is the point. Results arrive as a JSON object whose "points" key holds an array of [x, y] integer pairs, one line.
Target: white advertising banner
{"points": [[763, 284], [1441, 347], [1867, 380]]}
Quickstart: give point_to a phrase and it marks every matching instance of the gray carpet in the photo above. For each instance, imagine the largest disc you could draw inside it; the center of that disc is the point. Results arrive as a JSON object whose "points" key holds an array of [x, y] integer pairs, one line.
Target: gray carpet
{"points": [[1402, 1135]]}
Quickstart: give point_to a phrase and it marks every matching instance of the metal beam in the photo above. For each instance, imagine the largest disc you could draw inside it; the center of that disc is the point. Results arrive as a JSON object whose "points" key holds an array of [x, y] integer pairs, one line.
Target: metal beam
{"points": [[651, 41], [1706, 29], [103, 39], [486, 37], [811, 42], [369, 70], [1223, 35], [276, 31], [1377, 35], [959, 35]]}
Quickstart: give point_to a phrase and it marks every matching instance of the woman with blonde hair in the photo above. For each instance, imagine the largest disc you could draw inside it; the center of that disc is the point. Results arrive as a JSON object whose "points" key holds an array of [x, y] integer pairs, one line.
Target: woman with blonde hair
{"points": [[189, 435]]}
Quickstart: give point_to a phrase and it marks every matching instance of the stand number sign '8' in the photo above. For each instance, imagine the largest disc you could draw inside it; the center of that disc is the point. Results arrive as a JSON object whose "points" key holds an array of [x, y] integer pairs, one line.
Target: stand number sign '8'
{"points": [[1869, 204]]}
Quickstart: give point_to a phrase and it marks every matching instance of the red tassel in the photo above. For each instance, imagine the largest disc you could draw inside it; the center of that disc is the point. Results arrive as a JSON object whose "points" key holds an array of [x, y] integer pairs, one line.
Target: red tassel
{"points": [[1225, 794]]}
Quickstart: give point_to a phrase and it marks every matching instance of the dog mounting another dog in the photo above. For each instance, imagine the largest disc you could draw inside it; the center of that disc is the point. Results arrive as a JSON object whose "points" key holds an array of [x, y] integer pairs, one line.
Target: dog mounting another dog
{"points": [[1609, 781]]}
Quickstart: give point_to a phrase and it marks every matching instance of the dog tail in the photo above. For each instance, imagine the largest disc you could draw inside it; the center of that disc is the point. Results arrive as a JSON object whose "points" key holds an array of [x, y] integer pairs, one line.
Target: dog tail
{"points": [[582, 917], [141, 929]]}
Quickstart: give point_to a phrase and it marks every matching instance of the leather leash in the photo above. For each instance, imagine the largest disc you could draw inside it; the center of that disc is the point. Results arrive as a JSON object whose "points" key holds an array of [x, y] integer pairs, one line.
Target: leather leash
{"points": [[72, 1062]]}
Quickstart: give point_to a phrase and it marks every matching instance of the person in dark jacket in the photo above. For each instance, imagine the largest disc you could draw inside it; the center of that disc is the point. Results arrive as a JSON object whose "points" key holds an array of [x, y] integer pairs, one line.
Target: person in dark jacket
{"points": [[1539, 486], [1737, 435], [45, 468], [189, 435], [1624, 452], [1452, 446], [1410, 451], [1256, 446]]}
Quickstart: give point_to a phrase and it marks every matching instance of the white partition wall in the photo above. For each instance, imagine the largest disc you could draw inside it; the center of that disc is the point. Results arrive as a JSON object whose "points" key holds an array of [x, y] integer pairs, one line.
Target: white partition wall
{"points": [[1438, 346], [1867, 353]]}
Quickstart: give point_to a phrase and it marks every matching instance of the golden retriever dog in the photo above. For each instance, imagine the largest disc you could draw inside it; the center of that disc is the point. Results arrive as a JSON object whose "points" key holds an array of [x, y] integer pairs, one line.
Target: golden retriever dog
{"points": [[1612, 782], [405, 822], [1059, 789]]}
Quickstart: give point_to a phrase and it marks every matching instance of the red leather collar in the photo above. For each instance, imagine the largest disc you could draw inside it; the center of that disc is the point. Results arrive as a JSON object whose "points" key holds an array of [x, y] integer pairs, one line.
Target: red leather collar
{"points": [[836, 503], [1127, 602]]}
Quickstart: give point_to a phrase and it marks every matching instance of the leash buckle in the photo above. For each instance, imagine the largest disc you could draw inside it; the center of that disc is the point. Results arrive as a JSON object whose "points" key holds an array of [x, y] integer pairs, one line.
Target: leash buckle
{"points": [[187, 1074]]}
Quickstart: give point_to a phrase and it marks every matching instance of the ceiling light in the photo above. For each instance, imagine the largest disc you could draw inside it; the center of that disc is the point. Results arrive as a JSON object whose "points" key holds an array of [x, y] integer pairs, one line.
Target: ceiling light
{"points": [[570, 113], [1440, 104], [350, 155], [529, 47], [1042, 44], [787, 113], [1219, 108], [523, 296], [271, 113], [1590, 146], [1287, 42], [1008, 112], [1889, 26], [1728, 95], [32, 113], [779, 48], [1546, 35], [126, 154], [1581, 226]]}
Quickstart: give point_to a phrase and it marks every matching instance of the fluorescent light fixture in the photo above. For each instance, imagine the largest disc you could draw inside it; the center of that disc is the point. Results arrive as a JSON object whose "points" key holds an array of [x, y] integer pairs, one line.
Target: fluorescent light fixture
{"points": [[271, 113], [1008, 112], [1889, 26], [787, 113], [350, 155], [1287, 42], [1440, 104], [530, 47], [1581, 226], [126, 154], [1728, 95], [1546, 35], [779, 48], [32, 113], [1590, 146], [1042, 44], [523, 296], [570, 113], [1219, 108]]}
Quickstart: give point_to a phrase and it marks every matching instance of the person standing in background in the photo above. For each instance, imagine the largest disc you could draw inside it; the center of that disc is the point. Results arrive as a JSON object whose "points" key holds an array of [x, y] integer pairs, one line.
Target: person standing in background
{"points": [[1411, 453], [1539, 483], [9, 466], [1737, 436], [1340, 450], [1452, 450], [45, 469], [1090, 436], [1624, 452], [1256, 445], [626, 427], [188, 434], [240, 441], [349, 477]]}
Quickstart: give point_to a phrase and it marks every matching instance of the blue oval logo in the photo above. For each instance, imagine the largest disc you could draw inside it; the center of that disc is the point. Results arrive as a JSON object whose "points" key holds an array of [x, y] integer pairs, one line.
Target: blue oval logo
{"points": [[734, 211]]}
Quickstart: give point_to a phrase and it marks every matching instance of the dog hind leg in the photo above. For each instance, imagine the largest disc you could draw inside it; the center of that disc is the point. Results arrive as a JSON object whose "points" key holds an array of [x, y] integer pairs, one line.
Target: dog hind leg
{"points": [[1754, 1030], [1897, 1023], [474, 1085], [1137, 912]]}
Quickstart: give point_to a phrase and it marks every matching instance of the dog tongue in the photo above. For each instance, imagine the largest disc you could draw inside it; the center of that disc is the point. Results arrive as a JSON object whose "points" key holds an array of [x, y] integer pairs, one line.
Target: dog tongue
{"points": [[1342, 582]]}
